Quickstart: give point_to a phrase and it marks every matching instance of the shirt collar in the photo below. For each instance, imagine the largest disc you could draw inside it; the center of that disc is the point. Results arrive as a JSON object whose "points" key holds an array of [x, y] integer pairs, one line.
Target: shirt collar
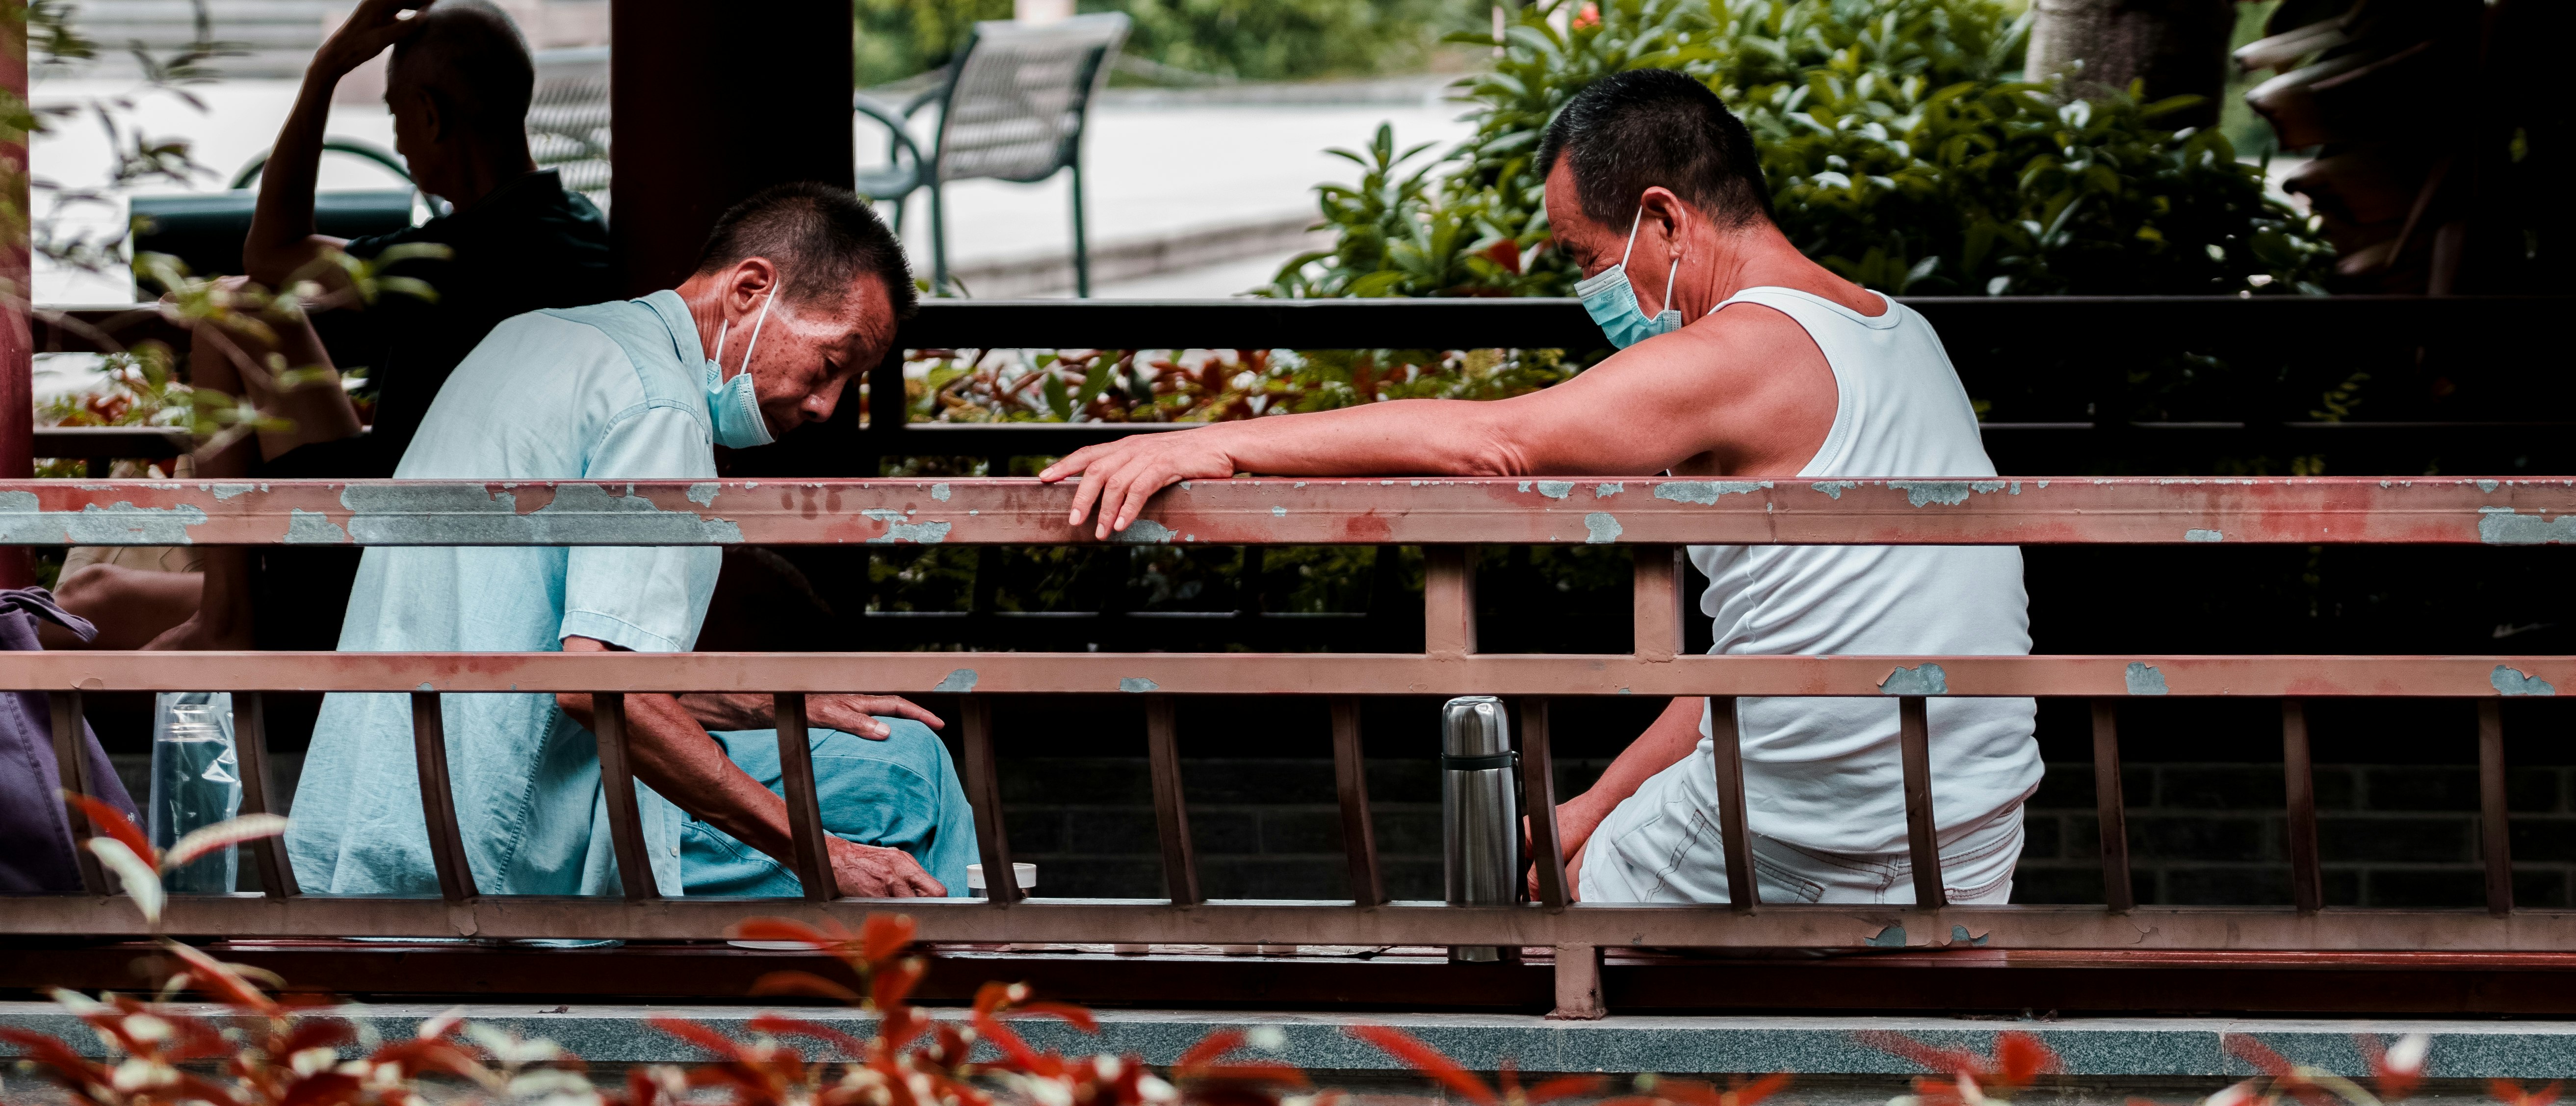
{"points": [[674, 313], [526, 189]]}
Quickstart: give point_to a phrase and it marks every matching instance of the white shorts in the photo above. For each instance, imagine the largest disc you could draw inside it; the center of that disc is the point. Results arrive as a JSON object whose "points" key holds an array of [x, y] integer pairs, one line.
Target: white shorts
{"points": [[1672, 855]]}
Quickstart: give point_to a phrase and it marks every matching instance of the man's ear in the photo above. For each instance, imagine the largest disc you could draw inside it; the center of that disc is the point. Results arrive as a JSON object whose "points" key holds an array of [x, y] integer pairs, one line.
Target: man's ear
{"points": [[753, 278], [433, 116], [1665, 212]]}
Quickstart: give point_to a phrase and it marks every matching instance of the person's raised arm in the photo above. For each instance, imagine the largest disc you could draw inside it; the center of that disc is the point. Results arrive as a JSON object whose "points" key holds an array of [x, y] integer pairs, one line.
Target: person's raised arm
{"points": [[282, 239], [674, 756], [1708, 389]]}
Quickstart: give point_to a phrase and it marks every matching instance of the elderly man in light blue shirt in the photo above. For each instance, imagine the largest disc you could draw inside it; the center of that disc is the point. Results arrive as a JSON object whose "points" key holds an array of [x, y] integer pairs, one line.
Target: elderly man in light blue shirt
{"points": [[800, 288]]}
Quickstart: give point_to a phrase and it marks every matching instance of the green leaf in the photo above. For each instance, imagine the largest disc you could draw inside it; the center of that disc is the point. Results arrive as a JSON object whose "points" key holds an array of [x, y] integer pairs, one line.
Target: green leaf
{"points": [[1052, 390]]}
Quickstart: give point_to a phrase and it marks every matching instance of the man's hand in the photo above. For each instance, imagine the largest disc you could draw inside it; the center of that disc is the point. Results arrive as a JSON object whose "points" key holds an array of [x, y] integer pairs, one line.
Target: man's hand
{"points": [[1576, 818], [870, 872], [376, 25], [1120, 476], [848, 713], [858, 714]]}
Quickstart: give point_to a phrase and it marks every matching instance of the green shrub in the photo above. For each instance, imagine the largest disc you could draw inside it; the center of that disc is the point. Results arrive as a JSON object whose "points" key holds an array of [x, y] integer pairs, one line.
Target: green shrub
{"points": [[1902, 151]]}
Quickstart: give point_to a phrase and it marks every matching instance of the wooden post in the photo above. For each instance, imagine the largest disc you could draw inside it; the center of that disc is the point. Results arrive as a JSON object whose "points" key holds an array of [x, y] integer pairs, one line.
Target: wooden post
{"points": [[712, 102], [1922, 830], [1171, 804], [617, 785], [1350, 782], [2298, 773], [17, 283], [2117, 891], [1448, 599], [250, 747], [804, 810], [438, 799], [984, 793]]}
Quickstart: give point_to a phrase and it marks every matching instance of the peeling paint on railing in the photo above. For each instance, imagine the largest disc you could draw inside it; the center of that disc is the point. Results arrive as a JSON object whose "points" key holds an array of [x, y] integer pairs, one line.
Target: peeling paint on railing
{"points": [[1648, 510]]}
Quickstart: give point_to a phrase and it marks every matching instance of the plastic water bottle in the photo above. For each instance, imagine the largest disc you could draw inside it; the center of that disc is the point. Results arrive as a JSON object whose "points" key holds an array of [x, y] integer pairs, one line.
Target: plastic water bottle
{"points": [[196, 782]]}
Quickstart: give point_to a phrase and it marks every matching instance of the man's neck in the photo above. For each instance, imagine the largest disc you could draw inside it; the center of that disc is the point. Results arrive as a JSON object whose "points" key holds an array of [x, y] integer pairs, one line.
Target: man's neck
{"points": [[479, 173], [1759, 256], [704, 295]]}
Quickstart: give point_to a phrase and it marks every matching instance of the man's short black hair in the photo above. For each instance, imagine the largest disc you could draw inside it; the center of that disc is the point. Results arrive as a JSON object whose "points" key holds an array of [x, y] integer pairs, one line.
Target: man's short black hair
{"points": [[1645, 127], [472, 60], [823, 239]]}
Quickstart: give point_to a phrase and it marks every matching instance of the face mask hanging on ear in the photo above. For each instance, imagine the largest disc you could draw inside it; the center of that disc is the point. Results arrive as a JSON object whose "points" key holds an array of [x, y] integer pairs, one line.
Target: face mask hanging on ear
{"points": [[734, 404], [1612, 301]]}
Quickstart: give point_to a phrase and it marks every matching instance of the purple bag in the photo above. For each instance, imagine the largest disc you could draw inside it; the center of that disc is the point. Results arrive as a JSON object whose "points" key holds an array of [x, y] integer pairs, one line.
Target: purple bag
{"points": [[35, 827]]}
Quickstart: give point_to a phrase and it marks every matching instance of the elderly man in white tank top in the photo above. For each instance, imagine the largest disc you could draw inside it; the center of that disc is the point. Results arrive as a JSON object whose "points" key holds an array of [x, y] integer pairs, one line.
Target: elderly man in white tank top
{"points": [[1747, 360]]}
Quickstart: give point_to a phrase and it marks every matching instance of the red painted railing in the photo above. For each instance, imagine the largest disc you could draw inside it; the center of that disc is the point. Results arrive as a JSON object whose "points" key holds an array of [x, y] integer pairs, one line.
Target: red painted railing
{"points": [[1656, 516]]}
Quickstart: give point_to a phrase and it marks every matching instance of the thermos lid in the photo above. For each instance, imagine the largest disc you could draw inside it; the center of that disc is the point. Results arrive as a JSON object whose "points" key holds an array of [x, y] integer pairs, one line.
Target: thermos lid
{"points": [[1474, 725]]}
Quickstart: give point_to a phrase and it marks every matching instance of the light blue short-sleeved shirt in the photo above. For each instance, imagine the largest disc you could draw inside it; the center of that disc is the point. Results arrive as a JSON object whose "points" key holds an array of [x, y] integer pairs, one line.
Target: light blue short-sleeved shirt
{"points": [[605, 392]]}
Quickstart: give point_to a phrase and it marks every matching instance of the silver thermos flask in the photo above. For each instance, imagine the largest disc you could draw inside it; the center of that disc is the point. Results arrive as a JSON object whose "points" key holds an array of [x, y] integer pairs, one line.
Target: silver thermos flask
{"points": [[1479, 812]]}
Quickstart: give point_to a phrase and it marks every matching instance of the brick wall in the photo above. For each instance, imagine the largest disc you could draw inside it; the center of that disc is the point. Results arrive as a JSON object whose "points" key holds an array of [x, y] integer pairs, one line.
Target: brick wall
{"points": [[2215, 834], [2200, 834]]}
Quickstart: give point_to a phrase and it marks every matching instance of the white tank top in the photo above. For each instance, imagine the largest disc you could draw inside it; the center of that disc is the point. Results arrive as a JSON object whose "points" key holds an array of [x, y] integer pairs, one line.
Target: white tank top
{"points": [[1824, 773]]}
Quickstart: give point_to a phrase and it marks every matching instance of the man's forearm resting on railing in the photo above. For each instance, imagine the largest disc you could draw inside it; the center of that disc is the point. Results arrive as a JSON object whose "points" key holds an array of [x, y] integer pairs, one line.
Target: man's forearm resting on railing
{"points": [[672, 753], [855, 714]]}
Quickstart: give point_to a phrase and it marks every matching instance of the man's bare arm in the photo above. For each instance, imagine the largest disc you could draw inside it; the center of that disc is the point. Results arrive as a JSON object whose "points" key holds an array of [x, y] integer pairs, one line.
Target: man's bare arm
{"points": [[734, 710], [1672, 736], [1735, 396], [282, 239], [674, 756]]}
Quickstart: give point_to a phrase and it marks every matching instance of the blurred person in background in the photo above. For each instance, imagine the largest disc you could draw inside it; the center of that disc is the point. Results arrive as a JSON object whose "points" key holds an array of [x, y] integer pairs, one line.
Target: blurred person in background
{"points": [[514, 240]]}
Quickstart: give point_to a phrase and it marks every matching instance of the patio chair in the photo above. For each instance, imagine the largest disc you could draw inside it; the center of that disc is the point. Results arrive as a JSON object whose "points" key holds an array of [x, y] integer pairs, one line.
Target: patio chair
{"points": [[204, 230], [568, 118], [1011, 107]]}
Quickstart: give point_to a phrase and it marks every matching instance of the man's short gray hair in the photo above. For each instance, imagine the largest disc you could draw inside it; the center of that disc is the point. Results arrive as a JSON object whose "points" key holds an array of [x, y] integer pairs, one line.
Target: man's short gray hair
{"points": [[823, 240]]}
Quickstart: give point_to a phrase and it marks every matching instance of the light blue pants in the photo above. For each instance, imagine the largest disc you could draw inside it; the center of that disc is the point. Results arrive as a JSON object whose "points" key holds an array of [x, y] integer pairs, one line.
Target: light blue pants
{"points": [[900, 793]]}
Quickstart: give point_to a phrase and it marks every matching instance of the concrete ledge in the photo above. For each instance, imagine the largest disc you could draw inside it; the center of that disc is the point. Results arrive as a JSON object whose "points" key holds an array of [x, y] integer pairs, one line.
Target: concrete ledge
{"points": [[1037, 274], [2155, 1050]]}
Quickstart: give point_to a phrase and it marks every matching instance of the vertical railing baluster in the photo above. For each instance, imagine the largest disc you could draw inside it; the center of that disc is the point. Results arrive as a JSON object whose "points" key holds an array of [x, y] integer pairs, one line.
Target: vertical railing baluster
{"points": [[1350, 780], [438, 799], [1922, 831], [2307, 881], [1577, 967], [1538, 803], [71, 769], [250, 748], [1658, 602], [2117, 892], [2494, 814], [804, 808], [1449, 599], [1171, 807], [984, 793], [617, 787], [1734, 832]]}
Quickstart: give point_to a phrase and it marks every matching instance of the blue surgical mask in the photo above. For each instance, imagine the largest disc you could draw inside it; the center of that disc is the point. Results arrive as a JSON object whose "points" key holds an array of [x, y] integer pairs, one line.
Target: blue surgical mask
{"points": [[733, 403], [1612, 301]]}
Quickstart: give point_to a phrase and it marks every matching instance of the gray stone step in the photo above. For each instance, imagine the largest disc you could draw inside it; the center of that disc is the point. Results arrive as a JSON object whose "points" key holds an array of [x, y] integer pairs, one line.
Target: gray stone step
{"points": [[2170, 1054]]}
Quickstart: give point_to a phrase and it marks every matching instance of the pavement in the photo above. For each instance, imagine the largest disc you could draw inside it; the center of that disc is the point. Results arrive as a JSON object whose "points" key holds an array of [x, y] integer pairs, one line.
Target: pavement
{"points": [[1831, 1058], [1203, 193]]}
